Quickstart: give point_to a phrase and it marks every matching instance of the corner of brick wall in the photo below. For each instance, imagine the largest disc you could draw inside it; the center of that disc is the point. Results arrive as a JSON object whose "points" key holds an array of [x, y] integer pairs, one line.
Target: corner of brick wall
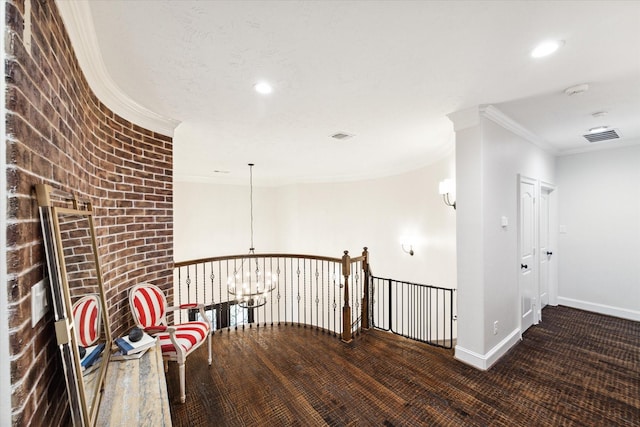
{"points": [[59, 133]]}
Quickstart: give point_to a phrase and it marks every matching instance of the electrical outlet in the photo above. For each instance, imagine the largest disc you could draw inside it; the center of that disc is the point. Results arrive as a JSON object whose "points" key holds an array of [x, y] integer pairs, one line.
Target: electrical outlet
{"points": [[39, 302], [495, 328]]}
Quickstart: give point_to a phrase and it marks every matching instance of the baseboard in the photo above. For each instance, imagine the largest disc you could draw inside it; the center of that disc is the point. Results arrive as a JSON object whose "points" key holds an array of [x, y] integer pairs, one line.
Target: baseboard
{"points": [[485, 361], [622, 313]]}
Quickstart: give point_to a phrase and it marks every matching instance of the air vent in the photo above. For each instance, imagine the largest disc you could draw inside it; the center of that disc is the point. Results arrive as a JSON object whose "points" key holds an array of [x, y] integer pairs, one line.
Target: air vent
{"points": [[602, 136], [341, 136]]}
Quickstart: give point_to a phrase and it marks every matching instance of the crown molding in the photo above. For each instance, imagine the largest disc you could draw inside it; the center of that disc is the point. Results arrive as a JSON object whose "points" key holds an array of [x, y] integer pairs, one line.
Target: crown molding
{"points": [[78, 22], [470, 117], [464, 119], [498, 117]]}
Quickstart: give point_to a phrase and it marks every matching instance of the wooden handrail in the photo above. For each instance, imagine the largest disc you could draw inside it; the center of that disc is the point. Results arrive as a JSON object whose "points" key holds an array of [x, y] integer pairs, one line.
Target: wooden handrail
{"points": [[345, 264], [254, 255]]}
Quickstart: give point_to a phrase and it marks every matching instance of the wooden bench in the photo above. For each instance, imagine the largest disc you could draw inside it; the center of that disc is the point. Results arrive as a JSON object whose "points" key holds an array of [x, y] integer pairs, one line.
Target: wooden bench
{"points": [[135, 393]]}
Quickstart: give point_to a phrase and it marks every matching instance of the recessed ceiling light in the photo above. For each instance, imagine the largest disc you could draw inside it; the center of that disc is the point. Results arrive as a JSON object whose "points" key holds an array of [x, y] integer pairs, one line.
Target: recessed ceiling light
{"points": [[598, 129], [263, 88], [546, 48]]}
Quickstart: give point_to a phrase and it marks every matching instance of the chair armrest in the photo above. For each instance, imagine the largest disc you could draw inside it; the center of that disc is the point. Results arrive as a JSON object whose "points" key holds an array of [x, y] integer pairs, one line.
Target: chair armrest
{"points": [[191, 306], [155, 329], [188, 306], [180, 353]]}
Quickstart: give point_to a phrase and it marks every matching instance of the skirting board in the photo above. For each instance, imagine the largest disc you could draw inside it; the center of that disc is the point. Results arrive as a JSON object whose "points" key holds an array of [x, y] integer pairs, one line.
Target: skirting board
{"points": [[485, 361], [622, 313]]}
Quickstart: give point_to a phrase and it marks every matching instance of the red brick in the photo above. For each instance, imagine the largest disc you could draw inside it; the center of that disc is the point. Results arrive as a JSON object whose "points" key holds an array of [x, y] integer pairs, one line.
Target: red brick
{"points": [[61, 134]]}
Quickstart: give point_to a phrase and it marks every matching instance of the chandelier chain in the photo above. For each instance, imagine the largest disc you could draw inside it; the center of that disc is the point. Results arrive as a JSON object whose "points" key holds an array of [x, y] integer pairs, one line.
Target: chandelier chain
{"points": [[250, 289], [252, 248]]}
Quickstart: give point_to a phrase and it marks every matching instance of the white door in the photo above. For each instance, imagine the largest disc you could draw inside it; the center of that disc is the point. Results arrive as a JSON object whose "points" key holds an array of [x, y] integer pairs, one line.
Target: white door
{"points": [[527, 245], [545, 250]]}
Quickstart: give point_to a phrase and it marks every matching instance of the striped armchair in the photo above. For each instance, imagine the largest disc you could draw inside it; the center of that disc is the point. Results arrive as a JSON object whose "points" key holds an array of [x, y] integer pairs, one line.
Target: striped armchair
{"points": [[149, 309]]}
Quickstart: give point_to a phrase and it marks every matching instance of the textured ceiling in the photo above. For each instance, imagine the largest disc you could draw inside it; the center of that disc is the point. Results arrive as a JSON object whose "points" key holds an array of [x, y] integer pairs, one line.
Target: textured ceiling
{"points": [[386, 72]]}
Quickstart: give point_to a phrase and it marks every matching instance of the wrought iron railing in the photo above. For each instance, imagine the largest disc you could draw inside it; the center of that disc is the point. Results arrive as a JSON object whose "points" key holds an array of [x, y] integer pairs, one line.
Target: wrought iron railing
{"points": [[308, 290], [420, 312]]}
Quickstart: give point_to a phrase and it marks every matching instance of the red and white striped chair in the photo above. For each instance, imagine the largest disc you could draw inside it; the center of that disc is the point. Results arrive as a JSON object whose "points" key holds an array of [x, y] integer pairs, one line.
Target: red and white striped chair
{"points": [[149, 308], [86, 318]]}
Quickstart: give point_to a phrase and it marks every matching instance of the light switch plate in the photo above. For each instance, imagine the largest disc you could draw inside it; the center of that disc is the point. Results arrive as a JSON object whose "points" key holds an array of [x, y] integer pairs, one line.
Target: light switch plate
{"points": [[39, 302]]}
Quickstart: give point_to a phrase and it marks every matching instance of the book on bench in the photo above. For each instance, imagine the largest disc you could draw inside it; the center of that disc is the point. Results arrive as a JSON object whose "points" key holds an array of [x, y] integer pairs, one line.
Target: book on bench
{"points": [[128, 347], [91, 356]]}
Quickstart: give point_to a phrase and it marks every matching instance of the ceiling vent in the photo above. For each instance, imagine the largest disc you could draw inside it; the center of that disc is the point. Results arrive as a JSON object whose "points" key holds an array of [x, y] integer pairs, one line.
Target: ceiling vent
{"points": [[602, 136], [341, 136]]}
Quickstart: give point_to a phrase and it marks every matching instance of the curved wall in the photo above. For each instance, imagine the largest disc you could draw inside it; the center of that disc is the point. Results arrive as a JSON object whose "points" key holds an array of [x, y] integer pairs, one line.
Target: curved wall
{"points": [[59, 133], [328, 218]]}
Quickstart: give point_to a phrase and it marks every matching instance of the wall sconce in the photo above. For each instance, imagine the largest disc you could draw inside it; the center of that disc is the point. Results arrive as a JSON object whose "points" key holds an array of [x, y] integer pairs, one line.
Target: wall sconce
{"points": [[410, 251], [445, 189]]}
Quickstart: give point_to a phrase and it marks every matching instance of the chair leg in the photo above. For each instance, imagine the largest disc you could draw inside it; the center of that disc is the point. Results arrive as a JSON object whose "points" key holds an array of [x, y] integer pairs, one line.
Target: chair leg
{"points": [[183, 396], [209, 345]]}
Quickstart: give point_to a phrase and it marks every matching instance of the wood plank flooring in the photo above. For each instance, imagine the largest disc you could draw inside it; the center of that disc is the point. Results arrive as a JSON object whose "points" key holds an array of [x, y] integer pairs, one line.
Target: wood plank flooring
{"points": [[575, 368]]}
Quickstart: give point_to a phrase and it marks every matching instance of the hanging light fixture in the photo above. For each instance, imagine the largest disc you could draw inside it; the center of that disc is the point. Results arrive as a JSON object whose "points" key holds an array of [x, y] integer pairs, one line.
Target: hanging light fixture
{"points": [[249, 284]]}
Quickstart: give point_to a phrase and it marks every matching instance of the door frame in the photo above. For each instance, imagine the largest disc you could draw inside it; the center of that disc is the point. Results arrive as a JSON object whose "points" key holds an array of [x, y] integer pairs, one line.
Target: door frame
{"points": [[553, 243], [539, 187], [536, 189]]}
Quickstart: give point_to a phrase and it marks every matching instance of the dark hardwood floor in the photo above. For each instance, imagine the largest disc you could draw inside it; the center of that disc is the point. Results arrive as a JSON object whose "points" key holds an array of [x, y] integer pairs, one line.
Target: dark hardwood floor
{"points": [[575, 368]]}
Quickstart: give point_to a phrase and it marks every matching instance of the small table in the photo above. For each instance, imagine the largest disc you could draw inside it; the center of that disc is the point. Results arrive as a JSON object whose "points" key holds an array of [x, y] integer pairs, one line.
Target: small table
{"points": [[135, 393]]}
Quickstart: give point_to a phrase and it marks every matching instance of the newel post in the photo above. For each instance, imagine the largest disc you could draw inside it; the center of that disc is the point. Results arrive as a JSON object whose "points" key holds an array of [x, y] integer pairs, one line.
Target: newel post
{"points": [[346, 309], [365, 296]]}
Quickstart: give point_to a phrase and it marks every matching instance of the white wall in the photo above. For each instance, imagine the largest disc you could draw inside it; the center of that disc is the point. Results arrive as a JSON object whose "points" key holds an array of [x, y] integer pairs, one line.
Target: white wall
{"points": [[470, 237], [380, 214], [599, 268], [489, 159], [506, 155], [212, 220], [325, 219]]}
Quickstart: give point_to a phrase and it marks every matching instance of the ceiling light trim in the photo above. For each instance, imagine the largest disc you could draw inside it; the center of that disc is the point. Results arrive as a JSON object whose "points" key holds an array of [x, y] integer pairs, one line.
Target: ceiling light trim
{"points": [[79, 25]]}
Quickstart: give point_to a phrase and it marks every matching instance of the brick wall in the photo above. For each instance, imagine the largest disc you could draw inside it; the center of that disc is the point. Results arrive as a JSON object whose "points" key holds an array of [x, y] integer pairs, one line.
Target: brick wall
{"points": [[77, 244], [59, 133]]}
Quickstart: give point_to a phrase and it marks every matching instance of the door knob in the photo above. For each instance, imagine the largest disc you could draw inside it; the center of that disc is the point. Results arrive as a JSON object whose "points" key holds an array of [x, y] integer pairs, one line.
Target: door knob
{"points": [[549, 253], [523, 266]]}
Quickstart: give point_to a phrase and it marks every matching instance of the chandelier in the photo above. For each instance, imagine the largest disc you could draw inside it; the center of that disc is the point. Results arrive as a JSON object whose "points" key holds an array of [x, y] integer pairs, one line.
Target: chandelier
{"points": [[249, 284]]}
